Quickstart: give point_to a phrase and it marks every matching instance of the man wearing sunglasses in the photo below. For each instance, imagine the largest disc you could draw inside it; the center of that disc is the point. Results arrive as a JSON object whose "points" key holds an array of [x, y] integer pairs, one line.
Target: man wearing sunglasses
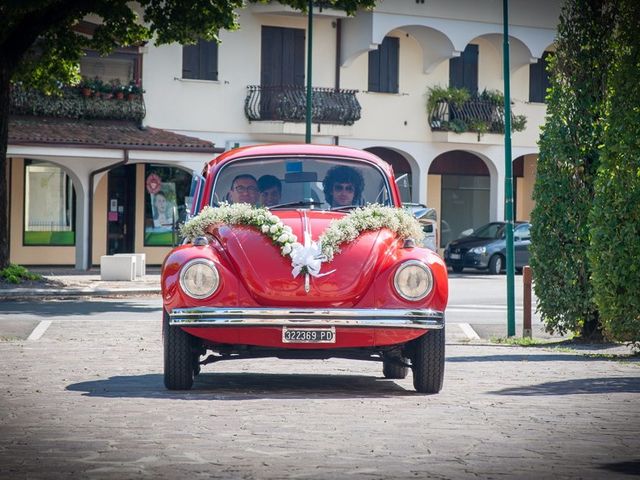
{"points": [[343, 186], [244, 189]]}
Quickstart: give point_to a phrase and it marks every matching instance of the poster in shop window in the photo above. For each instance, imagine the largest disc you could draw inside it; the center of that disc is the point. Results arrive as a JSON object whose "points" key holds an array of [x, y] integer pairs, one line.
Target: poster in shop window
{"points": [[163, 202]]}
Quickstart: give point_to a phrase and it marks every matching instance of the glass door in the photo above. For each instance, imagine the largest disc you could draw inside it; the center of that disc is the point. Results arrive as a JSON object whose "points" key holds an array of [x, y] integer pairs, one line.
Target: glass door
{"points": [[121, 206]]}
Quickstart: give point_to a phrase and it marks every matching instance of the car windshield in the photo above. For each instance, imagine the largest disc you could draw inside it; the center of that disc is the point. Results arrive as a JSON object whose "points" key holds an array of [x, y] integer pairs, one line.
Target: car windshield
{"points": [[490, 230], [294, 182]]}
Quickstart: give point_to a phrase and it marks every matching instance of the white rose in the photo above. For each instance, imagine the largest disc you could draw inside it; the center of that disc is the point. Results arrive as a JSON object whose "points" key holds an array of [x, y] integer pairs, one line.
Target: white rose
{"points": [[273, 229], [293, 238], [286, 250], [283, 238], [287, 229], [265, 228]]}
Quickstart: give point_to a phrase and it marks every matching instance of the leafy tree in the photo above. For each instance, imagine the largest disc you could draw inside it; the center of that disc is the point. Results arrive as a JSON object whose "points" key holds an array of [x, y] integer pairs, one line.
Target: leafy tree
{"points": [[39, 45], [615, 217], [567, 165]]}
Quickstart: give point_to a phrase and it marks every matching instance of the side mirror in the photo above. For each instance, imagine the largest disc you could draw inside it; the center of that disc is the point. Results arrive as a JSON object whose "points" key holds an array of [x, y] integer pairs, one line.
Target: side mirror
{"points": [[426, 213]]}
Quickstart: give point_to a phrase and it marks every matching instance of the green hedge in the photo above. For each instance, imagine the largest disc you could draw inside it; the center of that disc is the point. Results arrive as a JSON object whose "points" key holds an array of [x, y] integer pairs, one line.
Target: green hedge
{"points": [[568, 161], [615, 218]]}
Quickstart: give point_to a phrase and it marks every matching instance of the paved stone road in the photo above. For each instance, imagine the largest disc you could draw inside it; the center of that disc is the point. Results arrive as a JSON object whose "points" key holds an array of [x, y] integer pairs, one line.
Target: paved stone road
{"points": [[87, 401]]}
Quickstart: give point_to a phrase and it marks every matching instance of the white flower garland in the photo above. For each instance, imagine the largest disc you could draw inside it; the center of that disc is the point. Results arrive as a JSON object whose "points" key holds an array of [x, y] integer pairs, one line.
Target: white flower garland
{"points": [[346, 229], [242, 214], [371, 217]]}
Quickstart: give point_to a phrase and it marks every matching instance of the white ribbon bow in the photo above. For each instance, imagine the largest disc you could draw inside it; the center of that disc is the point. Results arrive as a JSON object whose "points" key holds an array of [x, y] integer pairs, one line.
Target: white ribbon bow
{"points": [[308, 256]]}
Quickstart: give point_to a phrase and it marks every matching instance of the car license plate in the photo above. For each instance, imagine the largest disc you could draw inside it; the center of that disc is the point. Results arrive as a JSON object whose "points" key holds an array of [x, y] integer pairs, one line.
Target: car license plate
{"points": [[308, 335], [454, 256]]}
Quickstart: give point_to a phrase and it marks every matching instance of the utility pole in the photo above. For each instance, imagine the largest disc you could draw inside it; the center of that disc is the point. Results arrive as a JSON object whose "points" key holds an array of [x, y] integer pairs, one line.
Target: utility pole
{"points": [[508, 176]]}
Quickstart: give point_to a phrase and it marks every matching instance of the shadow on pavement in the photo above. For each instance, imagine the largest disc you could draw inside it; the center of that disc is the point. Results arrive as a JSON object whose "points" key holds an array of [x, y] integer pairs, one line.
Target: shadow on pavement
{"points": [[538, 357], [632, 467], [80, 307], [246, 386], [580, 386]]}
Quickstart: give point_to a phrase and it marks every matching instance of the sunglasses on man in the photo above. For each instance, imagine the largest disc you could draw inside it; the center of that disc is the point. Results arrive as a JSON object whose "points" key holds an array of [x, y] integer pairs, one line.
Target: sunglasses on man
{"points": [[243, 189]]}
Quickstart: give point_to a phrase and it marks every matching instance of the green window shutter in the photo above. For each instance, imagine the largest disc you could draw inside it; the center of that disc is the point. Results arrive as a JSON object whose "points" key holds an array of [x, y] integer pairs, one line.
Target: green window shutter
{"points": [[374, 71], [463, 70], [383, 66], [190, 63], [208, 60]]}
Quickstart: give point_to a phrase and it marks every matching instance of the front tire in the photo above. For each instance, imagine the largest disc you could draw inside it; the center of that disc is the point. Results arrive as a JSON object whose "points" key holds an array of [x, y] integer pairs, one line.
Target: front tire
{"points": [[495, 265], [178, 356], [428, 362]]}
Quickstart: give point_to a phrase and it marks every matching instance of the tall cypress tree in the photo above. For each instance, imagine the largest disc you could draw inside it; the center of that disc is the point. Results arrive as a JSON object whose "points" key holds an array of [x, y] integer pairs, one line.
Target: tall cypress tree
{"points": [[615, 217], [567, 165]]}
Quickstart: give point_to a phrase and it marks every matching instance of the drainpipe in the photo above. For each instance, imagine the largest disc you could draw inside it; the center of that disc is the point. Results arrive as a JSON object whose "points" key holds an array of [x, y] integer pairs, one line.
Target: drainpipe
{"points": [[336, 139], [90, 220]]}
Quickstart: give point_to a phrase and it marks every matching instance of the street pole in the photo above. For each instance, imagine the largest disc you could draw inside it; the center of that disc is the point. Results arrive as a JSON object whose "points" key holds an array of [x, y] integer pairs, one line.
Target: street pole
{"points": [[307, 134], [508, 174]]}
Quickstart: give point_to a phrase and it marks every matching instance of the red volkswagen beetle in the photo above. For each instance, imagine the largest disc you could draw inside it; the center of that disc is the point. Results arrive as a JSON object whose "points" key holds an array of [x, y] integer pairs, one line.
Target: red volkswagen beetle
{"points": [[303, 251]]}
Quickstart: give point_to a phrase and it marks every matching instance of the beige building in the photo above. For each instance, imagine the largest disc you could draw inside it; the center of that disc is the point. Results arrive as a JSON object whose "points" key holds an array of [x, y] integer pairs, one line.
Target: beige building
{"points": [[373, 75]]}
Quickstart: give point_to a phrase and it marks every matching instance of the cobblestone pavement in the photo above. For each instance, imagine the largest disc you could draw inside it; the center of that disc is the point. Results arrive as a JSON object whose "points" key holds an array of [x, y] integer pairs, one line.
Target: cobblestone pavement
{"points": [[87, 401]]}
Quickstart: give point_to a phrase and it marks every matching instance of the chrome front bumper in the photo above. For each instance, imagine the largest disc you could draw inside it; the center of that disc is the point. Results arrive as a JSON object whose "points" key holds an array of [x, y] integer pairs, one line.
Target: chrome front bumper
{"points": [[246, 317]]}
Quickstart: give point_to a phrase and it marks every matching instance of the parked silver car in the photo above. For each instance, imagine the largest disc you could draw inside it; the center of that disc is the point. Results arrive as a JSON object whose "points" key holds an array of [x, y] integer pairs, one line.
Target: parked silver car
{"points": [[485, 248]]}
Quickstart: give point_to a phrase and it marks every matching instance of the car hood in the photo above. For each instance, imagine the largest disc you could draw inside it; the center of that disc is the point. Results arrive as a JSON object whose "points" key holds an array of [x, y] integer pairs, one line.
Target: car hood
{"points": [[471, 242], [267, 275]]}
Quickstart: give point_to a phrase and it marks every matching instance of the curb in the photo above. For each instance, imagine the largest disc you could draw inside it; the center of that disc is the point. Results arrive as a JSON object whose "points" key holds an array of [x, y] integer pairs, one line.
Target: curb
{"points": [[16, 294]]}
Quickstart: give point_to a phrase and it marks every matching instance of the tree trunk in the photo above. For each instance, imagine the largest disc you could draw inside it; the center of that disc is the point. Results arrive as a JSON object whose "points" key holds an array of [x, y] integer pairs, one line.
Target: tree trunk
{"points": [[5, 75]]}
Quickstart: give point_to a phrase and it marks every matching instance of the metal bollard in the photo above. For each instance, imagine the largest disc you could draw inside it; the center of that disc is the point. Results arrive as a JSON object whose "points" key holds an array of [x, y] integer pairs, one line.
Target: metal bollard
{"points": [[526, 301]]}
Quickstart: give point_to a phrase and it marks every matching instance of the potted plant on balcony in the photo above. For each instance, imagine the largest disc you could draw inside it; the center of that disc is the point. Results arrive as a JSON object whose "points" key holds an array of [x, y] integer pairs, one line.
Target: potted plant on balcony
{"points": [[442, 101], [117, 88], [85, 87], [96, 87], [133, 90], [106, 90]]}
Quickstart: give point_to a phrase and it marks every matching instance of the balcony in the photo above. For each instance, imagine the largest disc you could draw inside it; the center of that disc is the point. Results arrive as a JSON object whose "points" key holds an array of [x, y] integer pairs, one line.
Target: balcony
{"points": [[456, 111], [287, 104], [69, 102]]}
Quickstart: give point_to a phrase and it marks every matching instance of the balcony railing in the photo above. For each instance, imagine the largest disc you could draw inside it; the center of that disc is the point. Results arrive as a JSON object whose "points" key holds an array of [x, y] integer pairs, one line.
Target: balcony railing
{"points": [[70, 103], [288, 103], [474, 115]]}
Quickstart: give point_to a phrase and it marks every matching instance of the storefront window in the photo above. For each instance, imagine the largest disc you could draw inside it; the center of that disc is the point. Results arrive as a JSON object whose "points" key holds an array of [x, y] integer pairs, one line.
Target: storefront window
{"points": [[49, 205], [165, 206]]}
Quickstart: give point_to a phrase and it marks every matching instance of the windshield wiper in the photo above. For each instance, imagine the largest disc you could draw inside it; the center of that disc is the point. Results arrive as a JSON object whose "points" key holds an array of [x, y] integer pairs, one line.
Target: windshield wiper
{"points": [[344, 207], [300, 203]]}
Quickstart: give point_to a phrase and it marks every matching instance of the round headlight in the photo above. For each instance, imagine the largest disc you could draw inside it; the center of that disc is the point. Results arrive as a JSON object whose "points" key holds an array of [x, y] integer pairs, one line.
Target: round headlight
{"points": [[199, 278], [413, 280]]}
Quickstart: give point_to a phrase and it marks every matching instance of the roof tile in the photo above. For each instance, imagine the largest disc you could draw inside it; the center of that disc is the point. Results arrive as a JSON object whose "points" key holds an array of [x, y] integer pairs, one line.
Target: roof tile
{"points": [[100, 133]]}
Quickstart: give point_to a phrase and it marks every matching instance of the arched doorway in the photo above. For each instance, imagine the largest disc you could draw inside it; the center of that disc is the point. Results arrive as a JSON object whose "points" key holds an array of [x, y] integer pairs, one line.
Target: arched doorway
{"points": [[401, 170], [524, 178], [465, 192]]}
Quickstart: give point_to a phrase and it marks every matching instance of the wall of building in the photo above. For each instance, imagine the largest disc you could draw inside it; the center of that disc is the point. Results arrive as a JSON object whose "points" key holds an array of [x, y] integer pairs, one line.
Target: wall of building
{"points": [[215, 109]]}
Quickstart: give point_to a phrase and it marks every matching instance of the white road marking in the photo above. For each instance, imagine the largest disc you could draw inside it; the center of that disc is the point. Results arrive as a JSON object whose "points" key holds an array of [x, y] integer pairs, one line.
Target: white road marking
{"points": [[39, 331], [483, 308], [469, 331]]}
